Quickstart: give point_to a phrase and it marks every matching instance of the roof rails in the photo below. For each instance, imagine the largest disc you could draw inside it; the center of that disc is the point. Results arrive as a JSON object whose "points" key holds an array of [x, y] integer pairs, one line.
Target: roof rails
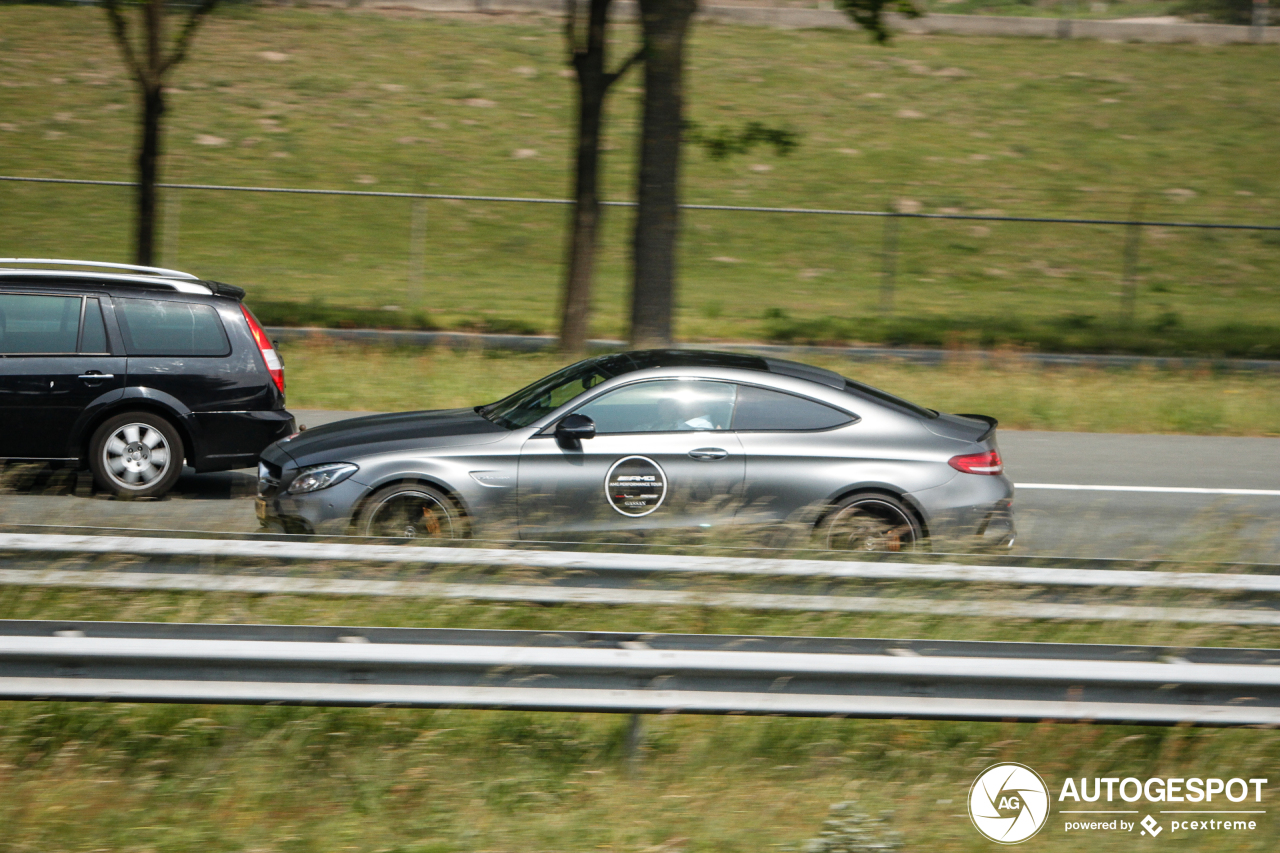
{"points": [[159, 271]]}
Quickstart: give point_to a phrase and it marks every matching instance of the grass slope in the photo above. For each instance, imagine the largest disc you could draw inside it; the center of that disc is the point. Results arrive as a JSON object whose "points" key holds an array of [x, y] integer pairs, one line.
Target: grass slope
{"points": [[331, 99]]}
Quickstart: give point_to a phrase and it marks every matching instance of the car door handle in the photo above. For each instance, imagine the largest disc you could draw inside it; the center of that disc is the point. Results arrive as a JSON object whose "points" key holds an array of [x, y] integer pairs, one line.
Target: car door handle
{"points": [[93, 374], [708, 454]]}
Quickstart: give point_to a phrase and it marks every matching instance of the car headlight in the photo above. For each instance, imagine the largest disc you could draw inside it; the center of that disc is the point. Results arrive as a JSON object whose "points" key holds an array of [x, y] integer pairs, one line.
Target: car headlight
{"points": [[318, 477]]}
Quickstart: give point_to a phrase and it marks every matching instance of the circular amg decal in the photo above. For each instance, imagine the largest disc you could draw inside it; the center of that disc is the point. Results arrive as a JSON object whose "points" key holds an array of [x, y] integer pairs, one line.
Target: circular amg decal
{"points": [[635, 486]]}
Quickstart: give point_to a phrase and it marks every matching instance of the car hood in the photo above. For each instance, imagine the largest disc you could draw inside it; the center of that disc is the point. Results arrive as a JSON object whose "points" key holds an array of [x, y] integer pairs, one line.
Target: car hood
{"points": [[355, 437]]}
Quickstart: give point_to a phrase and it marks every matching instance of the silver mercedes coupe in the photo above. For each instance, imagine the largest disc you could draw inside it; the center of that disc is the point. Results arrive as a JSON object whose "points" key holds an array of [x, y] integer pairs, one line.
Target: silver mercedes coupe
{"points": [[652, 441]]}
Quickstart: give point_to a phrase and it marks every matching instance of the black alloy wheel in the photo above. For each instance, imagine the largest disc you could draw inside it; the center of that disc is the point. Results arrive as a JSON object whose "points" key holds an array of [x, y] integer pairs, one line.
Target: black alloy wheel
{"points": [[870, 521], [410, 511]]}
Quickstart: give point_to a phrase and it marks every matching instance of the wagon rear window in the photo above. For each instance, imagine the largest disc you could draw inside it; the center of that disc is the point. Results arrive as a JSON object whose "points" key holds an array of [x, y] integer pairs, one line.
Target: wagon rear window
{"points": [[171, 328]]}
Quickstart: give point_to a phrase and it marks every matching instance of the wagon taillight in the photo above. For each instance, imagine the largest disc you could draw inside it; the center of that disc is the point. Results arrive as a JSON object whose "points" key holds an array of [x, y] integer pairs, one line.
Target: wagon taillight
{"points": [[269, 355]]}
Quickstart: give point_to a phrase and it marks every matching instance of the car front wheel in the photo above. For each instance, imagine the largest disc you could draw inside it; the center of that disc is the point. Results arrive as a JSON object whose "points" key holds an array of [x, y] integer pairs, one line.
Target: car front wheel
{"points": [[870, 521], [410, 511], [136, 455]]}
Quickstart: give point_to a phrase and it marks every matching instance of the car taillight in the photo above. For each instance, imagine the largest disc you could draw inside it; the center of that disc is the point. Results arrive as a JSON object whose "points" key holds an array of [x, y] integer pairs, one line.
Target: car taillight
{"points": [[978, 463], [269, 355]]}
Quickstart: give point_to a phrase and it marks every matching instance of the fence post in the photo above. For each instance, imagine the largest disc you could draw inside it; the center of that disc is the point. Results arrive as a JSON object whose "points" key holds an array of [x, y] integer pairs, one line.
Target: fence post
{"points": [[1132, 243], [888, 261], [172, 222], [1259, 23], [417, 251]]}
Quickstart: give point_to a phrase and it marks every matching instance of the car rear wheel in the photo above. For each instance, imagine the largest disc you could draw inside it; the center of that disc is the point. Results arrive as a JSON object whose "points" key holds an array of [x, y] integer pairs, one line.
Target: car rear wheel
{"points": [[136, 455], [410, 511], [870, 521]]}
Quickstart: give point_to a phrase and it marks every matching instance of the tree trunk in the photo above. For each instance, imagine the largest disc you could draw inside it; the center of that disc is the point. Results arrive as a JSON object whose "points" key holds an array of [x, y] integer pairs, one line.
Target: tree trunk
{"points": [[593, 84], [148, 163], [148, 68], [665, 24]]}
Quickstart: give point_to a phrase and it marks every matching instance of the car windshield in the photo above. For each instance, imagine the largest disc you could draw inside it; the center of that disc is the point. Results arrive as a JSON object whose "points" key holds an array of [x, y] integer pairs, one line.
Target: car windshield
{"points": [[547, 394]]}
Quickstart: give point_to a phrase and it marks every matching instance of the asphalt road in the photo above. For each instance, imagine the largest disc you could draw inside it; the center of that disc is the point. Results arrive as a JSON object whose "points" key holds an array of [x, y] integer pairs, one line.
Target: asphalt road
{"points": [[1079, 494]]}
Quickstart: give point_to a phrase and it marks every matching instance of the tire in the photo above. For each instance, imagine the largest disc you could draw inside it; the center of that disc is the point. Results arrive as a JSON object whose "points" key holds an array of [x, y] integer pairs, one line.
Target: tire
{"points": [[870, 521], [136, 455], [411, 511]]}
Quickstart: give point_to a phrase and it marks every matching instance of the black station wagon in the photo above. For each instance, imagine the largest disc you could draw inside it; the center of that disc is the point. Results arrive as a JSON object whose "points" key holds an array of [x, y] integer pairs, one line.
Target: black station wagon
{"points": [[130, 370]]}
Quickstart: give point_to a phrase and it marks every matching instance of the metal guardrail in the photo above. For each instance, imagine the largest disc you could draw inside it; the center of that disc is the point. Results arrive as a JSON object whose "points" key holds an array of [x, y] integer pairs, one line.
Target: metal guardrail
{"points": [[612, 562], [644, 580], [910, 355], [636, 596], [636, 673]]}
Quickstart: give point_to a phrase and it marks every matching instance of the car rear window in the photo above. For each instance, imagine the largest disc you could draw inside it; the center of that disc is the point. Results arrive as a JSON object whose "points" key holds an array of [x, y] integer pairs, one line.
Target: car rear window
{"points": [[760, 409], [38, 324], [156, 327], [865, 390]]}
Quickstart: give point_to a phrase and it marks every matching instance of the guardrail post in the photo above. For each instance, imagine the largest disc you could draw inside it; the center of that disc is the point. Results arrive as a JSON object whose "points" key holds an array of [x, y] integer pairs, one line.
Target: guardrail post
{"points": [[417, 251], [172, 219], [888, 261], [1132, 244], [635, 739]]}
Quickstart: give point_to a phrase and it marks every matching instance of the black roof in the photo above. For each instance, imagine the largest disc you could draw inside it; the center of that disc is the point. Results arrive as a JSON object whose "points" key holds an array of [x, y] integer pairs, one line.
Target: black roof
{"points": [[626, 362]]}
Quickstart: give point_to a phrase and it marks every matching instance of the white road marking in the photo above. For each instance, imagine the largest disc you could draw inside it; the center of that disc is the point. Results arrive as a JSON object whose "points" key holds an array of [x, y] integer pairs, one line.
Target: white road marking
{"points": [[1171, 490]]}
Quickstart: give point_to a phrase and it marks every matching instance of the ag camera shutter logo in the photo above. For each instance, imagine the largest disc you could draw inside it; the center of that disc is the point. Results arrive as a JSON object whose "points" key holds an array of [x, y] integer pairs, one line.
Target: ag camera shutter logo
{"points": [[1009, 803]]}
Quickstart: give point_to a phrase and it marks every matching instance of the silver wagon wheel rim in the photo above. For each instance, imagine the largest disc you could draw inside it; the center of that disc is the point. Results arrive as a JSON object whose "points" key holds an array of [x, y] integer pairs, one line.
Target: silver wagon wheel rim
{"points": [[871, 525], [136, 456], [411, 515]]}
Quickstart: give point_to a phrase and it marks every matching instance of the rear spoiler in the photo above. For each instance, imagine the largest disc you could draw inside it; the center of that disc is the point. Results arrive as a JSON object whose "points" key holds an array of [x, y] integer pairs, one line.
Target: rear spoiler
{"points": [[224, 289], [987, 419]]}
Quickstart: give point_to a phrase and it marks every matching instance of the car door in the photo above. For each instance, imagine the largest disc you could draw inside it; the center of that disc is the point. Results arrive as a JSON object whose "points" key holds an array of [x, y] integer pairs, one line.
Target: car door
{"points": [[662, 457], [55, 360], [797, 450]]}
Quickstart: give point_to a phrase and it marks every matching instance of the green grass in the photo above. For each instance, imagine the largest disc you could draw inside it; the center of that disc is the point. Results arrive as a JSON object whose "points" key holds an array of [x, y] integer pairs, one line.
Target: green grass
{"points": [[367, 101], [81, 777], [322, 375]]}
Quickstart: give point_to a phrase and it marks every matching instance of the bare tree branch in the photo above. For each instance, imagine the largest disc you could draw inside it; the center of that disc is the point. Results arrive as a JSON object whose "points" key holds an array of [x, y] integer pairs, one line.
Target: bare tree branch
{"points": [[189, 28], [120, 29], [610, 79]]}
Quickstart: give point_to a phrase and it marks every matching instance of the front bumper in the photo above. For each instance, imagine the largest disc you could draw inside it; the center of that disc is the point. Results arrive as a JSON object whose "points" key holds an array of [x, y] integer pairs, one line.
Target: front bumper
{"points": [[325, 511]]}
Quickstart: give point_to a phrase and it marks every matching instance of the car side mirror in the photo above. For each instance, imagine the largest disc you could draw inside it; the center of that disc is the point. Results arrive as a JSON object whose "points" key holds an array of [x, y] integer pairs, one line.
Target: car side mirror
{"points": [[572, 429]]}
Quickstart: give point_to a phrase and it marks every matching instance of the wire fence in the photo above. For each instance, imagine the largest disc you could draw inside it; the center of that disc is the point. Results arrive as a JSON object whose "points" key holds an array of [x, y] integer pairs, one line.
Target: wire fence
{"points": [[893, 252]]}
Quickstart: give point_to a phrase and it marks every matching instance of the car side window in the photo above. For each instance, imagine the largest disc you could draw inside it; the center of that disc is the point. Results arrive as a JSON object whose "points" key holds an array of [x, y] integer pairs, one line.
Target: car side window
{"points": [[32, 324], [93, 336], [760, 409], [663, 406], [158, 327]]}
